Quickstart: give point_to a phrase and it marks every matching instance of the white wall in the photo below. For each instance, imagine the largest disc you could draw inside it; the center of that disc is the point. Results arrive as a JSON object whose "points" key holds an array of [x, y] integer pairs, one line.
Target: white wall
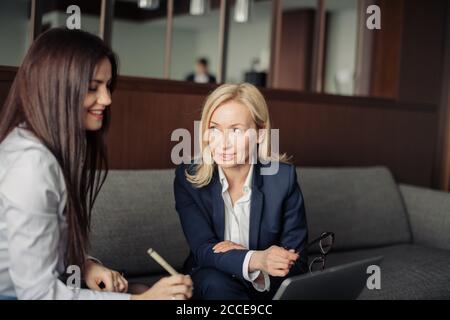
{"points": [[140, 45], [246, 41], [184, 53], [341, 50], [208, 46]]}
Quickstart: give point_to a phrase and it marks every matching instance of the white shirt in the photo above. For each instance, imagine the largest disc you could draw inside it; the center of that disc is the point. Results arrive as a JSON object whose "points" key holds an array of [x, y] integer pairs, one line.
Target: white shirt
{"points": [[237, 225], [201, 78], [33, 227]]}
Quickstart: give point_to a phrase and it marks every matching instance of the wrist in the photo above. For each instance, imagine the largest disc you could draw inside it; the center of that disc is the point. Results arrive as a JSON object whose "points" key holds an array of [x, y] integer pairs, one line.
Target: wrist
{"points": [[255, 262]]}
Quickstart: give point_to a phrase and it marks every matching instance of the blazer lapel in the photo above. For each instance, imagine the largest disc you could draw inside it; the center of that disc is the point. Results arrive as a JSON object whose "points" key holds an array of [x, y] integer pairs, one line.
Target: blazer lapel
{"points": [[218, 207], [256, 208]]}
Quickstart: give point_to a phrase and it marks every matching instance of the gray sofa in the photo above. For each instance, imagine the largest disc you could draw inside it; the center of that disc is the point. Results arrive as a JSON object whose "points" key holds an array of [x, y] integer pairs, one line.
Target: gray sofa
{"points": [[367, 210]]}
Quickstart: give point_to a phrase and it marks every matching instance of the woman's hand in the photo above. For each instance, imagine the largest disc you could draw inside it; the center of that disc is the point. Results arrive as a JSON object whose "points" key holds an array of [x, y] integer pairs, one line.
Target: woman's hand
{"points": [[178, 287], [275, 261], [225, 246], [95, 274]]}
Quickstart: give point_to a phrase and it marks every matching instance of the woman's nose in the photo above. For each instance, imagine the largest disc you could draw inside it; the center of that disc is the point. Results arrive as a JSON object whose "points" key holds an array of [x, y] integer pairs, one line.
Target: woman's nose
{"points": [[104, 98], [227, 139]]}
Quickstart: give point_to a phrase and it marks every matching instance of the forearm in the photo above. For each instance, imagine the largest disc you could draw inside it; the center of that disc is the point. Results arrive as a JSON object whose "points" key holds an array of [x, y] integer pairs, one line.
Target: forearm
{"points": [[229, 262]]}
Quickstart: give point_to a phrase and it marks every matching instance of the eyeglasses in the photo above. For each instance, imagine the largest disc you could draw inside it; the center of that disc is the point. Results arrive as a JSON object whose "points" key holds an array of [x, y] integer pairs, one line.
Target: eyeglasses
{"points": [[326, 241]]}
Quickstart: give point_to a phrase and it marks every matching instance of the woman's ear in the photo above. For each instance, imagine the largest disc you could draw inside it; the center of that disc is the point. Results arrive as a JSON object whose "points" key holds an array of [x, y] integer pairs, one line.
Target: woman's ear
{"points": [[261, 135]]}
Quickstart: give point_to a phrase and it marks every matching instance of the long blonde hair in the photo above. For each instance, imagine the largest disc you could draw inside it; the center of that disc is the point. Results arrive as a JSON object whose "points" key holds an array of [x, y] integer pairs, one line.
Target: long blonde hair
{"points": [[252, 98]]}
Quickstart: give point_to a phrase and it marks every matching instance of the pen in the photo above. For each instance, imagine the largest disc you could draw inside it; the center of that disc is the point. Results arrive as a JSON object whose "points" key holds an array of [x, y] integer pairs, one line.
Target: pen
{"points": [[163, 263]]}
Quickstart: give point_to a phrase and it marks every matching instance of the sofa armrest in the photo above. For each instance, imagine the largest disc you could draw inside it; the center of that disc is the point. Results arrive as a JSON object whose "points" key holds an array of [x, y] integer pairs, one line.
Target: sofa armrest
{"points": [[429, 215]]}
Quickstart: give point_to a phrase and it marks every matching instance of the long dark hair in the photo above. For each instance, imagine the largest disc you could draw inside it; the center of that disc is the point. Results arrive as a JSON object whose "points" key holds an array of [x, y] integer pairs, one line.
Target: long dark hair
{"points": [[47, 95]]}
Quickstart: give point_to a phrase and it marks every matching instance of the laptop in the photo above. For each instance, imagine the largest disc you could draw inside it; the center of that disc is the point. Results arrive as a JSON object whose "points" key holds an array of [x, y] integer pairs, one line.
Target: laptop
{"points": [[343, 282]]}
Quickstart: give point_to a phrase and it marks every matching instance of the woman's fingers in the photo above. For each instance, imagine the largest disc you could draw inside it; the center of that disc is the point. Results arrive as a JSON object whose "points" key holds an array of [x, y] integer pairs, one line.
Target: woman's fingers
{"points": [[293, 256], [279, 273], [181, 289], [108, 281], [280, 266], [222, 245], [283, 255], [226, 246], [123, 284], [114, 282], [230, 247], [278, 259], [94, 285], [179, 279]]}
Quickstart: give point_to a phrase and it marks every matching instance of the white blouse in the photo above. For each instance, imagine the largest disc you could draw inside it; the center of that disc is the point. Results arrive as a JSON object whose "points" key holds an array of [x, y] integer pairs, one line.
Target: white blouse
{"points": [[33, 227], [237, 226]]}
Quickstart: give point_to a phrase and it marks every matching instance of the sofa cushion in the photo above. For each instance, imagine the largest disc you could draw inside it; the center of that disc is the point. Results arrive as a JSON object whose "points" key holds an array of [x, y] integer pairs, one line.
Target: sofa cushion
{"points": [[134, 211], [362, 206], [429, 215], [407, 271]]}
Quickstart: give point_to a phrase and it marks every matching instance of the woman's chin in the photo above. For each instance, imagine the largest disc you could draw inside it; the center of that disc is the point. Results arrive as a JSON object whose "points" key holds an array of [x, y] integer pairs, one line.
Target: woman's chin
{"points": [[229, 164], [93, 126]]}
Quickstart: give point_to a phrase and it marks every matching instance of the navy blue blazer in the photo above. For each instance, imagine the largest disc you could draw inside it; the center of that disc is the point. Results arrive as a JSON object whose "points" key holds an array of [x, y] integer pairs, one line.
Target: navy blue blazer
{"points": [[277, 217]]}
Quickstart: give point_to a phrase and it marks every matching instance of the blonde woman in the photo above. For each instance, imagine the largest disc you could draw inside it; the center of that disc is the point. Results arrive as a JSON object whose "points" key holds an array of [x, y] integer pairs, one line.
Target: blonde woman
{"points": [[244, 224]]}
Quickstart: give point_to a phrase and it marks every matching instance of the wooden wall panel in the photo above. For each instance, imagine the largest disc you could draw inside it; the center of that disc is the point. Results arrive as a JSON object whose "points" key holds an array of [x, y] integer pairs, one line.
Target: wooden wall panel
{"points": [[295, 53], [340, 135], [140, 134], [422, 60], [442, 167], [386, 52]]}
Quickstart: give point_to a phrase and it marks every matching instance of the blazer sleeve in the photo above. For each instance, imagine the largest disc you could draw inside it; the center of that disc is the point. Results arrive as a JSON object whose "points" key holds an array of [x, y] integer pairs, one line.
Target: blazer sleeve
{"points": [[295, 230], [199, 232]]}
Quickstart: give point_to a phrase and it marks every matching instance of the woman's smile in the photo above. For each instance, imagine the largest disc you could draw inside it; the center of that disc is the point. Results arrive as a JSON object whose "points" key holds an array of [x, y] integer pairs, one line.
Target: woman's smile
{"points": [[97, 114], [226, 156]]}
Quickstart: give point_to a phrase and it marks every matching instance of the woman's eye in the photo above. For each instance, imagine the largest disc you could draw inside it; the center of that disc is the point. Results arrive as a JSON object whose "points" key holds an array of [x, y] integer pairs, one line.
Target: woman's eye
{"points": [[92, 89]]}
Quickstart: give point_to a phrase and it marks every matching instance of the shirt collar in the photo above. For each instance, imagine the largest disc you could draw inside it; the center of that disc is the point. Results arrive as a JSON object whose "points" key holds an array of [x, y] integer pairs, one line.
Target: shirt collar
{"points": [[247, 184]]}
